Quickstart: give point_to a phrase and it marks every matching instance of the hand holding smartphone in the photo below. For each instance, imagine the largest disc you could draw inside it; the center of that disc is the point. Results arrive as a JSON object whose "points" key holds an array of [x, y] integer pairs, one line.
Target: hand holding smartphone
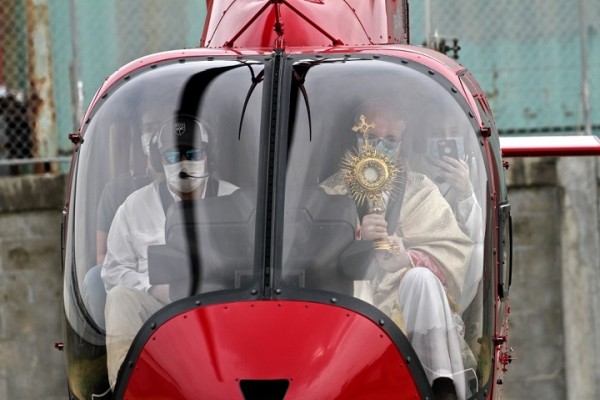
{"points": [[448, 148]]}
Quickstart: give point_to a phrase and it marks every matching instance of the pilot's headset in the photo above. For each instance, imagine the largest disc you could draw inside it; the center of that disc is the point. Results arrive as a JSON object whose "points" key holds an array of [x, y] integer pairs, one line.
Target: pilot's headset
{"points": [[181, 130]]}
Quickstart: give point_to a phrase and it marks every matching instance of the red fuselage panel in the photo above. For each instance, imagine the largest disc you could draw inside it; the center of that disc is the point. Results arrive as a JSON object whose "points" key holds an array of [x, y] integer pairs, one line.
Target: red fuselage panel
{"points": [[556, 146], [259, 24], [323, 351]]}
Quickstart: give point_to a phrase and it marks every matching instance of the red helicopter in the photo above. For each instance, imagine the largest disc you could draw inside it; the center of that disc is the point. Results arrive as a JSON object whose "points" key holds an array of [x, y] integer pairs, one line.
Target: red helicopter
{"points": [[304, 207]]}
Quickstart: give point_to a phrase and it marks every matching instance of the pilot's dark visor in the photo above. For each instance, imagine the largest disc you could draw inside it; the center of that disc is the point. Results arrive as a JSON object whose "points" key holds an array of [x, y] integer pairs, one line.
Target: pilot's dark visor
{"points": [[193, 154]]}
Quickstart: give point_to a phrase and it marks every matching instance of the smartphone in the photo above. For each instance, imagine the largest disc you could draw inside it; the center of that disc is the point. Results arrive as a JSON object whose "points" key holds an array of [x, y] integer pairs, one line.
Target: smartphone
{"points": [[447, 147]]}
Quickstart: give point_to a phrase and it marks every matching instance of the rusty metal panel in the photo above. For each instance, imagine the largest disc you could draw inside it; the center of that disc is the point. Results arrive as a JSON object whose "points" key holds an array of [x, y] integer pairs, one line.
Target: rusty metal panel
{"points": [[41, 98]]}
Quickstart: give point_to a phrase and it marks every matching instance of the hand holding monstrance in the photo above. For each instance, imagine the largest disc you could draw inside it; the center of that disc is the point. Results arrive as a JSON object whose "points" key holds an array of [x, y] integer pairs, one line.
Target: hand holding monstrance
{"points": [[369, 173]]}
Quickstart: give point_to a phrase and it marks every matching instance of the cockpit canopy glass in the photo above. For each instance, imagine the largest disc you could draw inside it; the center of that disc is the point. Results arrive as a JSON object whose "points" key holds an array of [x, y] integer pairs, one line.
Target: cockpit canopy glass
{"points": [[374, 169]]}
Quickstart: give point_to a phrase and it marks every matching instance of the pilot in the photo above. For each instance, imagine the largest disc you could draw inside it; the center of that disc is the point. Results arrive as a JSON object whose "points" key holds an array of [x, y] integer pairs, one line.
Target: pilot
{"points": [[180, 150], [415, 280]]}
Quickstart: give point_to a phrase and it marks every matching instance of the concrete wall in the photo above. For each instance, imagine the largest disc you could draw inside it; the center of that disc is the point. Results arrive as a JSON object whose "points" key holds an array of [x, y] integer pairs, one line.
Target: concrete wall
{"points": [[535, 296], [30, 288], [554, 318]]}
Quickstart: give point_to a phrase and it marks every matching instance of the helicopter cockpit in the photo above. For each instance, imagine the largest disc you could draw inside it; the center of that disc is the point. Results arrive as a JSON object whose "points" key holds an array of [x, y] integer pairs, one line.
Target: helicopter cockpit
{"points": [[326, 182]]}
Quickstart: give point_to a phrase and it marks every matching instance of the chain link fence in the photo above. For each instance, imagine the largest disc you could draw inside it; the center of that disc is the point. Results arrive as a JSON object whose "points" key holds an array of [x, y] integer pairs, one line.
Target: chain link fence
{"points": [[54, 55], [15, 129], [537, 60]]}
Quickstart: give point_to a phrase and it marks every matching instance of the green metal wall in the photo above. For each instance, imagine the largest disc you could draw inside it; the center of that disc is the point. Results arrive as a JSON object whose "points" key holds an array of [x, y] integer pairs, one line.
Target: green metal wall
{"points": [[92, 39], [533, 58], [527, 56]]}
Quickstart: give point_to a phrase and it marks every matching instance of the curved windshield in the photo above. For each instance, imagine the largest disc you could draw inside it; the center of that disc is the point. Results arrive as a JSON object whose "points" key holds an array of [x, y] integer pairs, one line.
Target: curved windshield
{"points": [[175, 142], [173, 133], [378, 186], [385, 201]]}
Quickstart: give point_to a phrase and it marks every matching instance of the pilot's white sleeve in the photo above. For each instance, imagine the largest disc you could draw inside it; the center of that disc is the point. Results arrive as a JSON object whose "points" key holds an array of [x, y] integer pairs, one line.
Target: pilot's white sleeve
{"points": [[120, 267], [138, 223]]}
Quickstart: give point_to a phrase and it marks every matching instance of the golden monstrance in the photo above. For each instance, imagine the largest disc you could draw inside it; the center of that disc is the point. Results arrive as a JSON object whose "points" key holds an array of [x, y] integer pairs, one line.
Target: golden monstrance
{"points": [[369, 174]]}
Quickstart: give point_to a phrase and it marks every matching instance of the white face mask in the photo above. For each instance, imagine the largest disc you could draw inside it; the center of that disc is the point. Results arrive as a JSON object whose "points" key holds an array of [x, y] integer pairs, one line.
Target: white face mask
{"points": [[383, 146], [196, 175]]}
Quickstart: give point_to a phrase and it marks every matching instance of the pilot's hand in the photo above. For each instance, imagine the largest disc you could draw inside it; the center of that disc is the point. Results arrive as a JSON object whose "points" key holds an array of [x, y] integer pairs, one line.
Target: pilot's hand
{"points": [[456, 173], [373, 227], [161, 293]]}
